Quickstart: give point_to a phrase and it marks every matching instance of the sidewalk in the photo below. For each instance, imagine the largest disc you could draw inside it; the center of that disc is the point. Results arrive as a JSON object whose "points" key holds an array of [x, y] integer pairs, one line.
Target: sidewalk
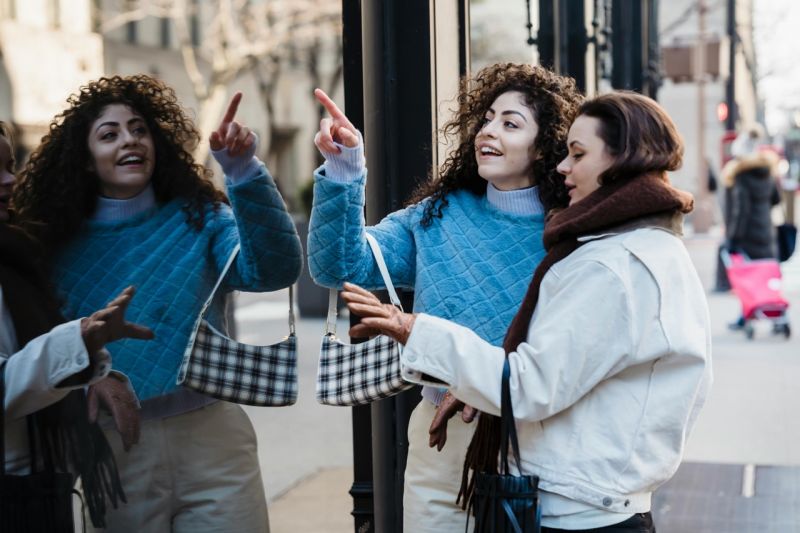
{"points": [[306, 452]]}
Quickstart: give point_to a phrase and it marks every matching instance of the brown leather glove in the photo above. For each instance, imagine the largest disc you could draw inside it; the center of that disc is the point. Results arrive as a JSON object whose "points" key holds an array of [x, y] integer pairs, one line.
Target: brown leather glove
{"points": [[444, 412], [376, 318], [118, 398]]}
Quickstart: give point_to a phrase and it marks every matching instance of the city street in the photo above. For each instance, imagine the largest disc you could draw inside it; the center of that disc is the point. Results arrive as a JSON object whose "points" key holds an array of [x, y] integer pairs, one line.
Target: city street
{"points": [[748, 427]]}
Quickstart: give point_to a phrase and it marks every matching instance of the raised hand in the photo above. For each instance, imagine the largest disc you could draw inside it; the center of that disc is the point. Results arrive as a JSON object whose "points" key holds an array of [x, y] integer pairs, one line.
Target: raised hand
{"points": [[376, 317], [336, 128], [230, 134], [108, 324], [449, 406]]}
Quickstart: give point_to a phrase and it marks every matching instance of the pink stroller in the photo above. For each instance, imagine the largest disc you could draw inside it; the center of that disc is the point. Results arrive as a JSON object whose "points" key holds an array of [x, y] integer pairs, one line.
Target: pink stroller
{"points": [[757, 284]]}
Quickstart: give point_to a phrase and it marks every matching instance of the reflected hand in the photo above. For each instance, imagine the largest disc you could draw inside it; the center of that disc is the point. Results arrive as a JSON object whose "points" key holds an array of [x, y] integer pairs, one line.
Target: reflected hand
{"points": [[237, 138], [108, 324], [118, 398], [376, 318]]}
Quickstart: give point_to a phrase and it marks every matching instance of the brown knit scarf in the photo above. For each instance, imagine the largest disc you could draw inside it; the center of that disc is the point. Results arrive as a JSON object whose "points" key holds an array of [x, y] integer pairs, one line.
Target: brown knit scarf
{"points": [[612, 206], [66, 440]]}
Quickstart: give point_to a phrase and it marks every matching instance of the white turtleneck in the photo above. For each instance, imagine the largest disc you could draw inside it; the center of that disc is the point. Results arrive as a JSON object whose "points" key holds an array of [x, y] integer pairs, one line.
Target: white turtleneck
{"points": [[113, 209], [518, 202]]}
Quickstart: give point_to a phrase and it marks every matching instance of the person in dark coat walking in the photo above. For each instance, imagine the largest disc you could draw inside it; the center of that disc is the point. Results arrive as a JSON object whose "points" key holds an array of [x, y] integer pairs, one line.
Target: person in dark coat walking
{"points": [[750, 193]]}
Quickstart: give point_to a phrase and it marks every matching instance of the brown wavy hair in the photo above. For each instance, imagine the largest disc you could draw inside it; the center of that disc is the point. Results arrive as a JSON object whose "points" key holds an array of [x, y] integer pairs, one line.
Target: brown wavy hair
{"points": [[57, 191], [638, 134], [554, 101]]}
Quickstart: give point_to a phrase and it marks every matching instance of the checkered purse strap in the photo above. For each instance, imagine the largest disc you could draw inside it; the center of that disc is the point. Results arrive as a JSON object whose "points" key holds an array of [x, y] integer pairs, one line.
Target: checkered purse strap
{"points": [[224, 273], [330, 324]]}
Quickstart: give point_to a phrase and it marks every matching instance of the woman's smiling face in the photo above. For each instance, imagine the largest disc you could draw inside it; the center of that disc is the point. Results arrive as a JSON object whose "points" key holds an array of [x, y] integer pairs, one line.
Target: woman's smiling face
{"points": [[503, 144], [587, 159], [123, 152]]}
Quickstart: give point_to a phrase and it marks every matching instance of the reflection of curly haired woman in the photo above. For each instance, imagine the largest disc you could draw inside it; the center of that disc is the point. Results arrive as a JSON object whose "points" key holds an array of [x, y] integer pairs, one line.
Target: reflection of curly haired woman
{"points": [[60, 163], [115, 194], [468, 243]]}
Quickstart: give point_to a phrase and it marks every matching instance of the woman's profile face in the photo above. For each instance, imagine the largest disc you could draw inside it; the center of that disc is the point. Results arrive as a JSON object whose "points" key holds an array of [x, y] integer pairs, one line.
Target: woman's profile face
{"points": [[7, 178], [587, 159], [503, 144], [123, 152]]}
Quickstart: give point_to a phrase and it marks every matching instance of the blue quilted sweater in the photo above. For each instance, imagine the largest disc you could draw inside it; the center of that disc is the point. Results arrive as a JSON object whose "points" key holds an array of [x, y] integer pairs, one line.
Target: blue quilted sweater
{"points": [[471, 266], [174, 268]]}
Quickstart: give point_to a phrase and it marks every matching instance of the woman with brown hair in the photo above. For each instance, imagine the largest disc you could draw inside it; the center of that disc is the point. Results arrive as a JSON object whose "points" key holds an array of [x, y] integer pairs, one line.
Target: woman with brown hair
{"points": [[467, 243], [116, 196], [610, 349]]}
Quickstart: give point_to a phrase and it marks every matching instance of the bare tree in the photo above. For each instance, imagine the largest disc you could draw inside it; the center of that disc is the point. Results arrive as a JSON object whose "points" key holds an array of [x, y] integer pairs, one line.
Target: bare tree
{"points": [[219, 40], [317, 53]]}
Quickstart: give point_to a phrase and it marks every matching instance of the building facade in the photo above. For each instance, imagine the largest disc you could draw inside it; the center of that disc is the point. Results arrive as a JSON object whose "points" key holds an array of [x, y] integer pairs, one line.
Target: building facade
{"points": [[51, 47]]}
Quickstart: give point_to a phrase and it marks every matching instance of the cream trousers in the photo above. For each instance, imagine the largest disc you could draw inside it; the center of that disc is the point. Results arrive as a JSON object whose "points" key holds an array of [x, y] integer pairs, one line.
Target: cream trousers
{"points": [[432, 478], [191, 473]]}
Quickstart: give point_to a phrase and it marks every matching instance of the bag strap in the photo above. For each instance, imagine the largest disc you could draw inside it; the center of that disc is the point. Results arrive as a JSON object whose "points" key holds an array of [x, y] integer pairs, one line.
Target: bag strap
{"points": [[330, 323], [508, 427], [224, 273]]}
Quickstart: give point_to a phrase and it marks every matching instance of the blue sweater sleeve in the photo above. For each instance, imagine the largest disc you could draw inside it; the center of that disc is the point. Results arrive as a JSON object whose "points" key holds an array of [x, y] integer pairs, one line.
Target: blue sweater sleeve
{"points": [[337, 246], [271, 257]]}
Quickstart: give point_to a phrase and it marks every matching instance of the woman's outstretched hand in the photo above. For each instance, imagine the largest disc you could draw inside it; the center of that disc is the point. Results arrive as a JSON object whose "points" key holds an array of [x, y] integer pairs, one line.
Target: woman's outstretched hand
{"points": [[238, 139], [108, 324], [335, 129], [376, 318]]}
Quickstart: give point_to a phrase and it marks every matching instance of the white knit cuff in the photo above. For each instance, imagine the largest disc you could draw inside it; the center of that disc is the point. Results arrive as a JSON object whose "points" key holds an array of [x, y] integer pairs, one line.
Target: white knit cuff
{"points": [[346, 166]]}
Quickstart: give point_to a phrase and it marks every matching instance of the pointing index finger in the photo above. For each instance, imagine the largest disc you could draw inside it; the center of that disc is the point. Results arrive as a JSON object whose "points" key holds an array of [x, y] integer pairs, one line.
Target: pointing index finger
{"points": [[233, 106], [330, 105]]}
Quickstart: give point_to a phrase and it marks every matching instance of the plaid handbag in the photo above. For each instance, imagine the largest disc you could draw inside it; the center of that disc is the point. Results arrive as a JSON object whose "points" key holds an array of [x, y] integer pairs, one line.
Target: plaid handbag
{"points": [[358, 374], [219, 366], [506, 503]]}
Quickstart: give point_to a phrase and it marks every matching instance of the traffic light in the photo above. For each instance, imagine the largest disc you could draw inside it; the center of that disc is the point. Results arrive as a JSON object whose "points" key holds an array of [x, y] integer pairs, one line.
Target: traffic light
{"points": [[722, 111]]}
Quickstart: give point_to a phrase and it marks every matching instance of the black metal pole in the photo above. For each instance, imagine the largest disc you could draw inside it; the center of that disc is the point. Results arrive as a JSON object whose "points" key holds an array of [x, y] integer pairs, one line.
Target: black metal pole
{"points": [[626, 45], [398, 121], [730, 85], [546, 35], [562, 39], [352, 61], [388, 78], [651, 59], [634, 46], [574, 41]]}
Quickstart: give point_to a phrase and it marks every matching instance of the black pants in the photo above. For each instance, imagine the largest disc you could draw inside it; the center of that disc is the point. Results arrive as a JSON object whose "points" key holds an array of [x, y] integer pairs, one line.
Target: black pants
{"points": [[638, 523]]}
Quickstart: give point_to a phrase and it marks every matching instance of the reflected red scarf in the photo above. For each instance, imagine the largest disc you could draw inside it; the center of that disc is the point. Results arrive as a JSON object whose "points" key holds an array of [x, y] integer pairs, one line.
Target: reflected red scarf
{"points": [[610, 207]]}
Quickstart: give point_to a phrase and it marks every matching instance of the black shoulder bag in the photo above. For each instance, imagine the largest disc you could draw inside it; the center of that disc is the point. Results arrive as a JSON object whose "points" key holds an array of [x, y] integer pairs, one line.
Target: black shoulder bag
{"points": [[40, 502], [505, 503]]}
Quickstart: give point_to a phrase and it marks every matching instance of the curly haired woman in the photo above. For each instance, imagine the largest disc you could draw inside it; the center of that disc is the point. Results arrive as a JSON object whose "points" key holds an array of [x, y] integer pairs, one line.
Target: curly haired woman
{"points": [[115, 194], [467, 244]]}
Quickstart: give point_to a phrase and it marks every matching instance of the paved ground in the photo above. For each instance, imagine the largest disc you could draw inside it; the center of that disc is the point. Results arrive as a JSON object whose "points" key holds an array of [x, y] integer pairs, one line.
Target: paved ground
{"points": [[749, 420]]}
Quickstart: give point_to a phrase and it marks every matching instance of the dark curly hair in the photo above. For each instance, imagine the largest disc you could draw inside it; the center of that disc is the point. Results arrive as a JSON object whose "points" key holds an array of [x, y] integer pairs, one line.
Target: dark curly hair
{"points": [[554, 101], [58, 191]]}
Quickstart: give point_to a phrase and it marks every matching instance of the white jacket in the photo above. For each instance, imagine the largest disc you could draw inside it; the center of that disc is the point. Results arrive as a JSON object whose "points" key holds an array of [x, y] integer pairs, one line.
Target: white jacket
{"points": [[35, 378], [616, 365]]}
